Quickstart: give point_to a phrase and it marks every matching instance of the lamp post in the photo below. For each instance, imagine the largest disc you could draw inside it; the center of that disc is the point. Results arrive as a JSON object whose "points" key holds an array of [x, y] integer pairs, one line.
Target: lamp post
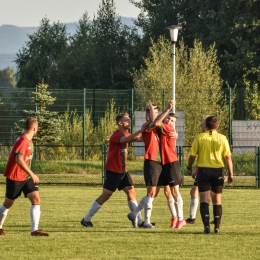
{"points": [[174, 35]]}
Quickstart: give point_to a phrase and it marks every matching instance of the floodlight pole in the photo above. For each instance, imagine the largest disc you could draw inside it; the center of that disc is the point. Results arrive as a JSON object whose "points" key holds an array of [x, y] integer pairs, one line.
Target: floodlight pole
{"points": [[174, 35], [173, 75]]}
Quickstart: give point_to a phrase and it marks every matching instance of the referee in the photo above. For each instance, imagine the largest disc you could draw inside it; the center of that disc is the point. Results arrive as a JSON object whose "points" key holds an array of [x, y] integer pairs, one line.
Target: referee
{"points": [[211, 149]]}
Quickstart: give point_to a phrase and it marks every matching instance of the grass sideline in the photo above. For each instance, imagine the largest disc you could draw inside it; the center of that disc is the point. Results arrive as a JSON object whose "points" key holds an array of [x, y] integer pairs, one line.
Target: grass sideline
{"points": [[113, 237]]}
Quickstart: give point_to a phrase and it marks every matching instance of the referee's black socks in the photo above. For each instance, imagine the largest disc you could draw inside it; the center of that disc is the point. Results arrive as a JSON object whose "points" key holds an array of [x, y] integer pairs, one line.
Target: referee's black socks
{"points": [[204, 212]]}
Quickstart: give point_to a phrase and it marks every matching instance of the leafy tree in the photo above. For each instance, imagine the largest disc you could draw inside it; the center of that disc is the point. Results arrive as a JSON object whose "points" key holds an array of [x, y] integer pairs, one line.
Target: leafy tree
{"points": [[233, 26], [252, 102], [154, 18], [7, 78], [198, 83], [39, 58], [107, 124]]}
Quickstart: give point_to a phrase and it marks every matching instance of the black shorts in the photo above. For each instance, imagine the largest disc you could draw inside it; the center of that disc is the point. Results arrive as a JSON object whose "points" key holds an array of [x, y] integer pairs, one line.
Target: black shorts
{"points": [[163, 181], [152, 172], [195, 181], [173, 173], [118, 181], [14, 189], [210, 179]]}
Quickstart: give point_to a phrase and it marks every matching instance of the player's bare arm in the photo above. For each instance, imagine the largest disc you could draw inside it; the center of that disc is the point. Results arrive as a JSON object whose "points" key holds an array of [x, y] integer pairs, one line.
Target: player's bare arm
{"points": [[190, 163], [135, 137], [159, 119], [229, 164], [173, 135]]}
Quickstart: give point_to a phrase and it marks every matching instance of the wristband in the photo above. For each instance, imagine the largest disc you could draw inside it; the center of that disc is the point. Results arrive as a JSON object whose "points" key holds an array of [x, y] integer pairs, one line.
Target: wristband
{"points": [[189, 168]]}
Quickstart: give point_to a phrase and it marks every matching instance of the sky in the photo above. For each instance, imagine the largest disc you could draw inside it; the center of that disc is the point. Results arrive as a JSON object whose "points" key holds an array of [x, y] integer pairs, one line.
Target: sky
{"points": [[26, 13]]}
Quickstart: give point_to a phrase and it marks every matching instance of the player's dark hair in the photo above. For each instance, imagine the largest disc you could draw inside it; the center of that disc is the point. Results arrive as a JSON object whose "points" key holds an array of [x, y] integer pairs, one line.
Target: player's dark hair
{"points": [[30, 123], [120, 116], [173, 115], [211, 122]]}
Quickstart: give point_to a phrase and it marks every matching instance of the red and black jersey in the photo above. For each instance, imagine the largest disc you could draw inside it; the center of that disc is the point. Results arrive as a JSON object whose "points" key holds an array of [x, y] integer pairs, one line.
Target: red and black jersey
{"points": [[22, 146], [152, 145], [168, 145], [117, 153]]}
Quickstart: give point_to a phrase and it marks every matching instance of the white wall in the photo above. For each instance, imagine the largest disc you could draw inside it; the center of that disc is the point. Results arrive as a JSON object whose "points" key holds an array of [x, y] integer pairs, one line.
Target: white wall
{"points": [[245, 133]]}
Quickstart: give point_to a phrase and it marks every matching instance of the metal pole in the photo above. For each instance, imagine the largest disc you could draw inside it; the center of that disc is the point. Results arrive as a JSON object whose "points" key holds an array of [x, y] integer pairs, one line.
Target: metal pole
{"points": [[173, 76], [230, 118], [131, 106], [258, 167], [84, 126], [104, 157], [163, 99]]}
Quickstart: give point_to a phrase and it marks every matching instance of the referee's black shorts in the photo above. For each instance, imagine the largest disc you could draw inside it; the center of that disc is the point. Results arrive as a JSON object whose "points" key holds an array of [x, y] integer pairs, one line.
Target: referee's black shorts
{"points": [[210, 179]]}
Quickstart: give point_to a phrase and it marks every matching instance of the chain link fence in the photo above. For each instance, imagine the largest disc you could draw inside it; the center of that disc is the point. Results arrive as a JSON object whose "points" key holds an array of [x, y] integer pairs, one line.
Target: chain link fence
{"points": [[63, 165], [14, 101]]}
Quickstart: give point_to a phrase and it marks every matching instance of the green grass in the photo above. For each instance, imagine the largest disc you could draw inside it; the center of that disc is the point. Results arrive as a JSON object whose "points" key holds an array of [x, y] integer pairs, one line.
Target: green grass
{"points": [[113, 237]]}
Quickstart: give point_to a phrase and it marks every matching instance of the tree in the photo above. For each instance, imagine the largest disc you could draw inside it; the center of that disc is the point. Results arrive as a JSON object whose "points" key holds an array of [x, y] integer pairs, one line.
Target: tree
{"points": [[154, 17], [106, 124], [39, 59], [197, 78], [233, 26], [7, 78], [49, 125], [252, 102], [115, 47], [77, 67]]}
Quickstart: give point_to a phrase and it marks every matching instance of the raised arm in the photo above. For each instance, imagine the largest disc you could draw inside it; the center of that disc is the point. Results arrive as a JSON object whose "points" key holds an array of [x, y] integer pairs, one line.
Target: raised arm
{"points": [[158, 120]]}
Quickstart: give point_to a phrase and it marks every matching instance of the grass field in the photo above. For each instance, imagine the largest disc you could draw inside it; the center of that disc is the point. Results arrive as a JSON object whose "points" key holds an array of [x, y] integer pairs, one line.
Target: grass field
{"points": [[112, 236]]}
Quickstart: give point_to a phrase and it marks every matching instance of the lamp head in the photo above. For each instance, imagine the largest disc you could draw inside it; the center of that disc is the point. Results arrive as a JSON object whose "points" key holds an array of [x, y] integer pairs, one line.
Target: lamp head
{"points": [[174, 32]]}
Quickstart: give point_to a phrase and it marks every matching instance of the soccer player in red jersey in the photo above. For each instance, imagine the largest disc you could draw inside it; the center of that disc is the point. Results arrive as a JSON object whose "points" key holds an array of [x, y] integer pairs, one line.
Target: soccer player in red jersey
{"points": [[117, 175], [20, 178], [170, 162], [152, 168]]}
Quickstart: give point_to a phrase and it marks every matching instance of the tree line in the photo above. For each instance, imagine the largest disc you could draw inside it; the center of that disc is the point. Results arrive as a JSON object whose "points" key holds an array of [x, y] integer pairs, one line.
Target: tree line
{"points": [[106, 54]]}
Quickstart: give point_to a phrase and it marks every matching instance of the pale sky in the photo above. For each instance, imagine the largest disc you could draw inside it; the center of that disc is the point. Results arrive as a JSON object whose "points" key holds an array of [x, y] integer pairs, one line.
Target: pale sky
{"points": [[26, 13]]}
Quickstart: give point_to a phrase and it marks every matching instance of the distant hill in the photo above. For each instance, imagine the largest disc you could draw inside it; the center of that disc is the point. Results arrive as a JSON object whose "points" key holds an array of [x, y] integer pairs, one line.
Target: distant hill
{"points": [[13, 38]]}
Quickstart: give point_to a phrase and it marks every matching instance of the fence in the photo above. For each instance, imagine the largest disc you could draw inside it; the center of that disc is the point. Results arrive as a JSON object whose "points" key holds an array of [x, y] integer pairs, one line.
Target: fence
{"points": [[63, 165], [14, 101]]}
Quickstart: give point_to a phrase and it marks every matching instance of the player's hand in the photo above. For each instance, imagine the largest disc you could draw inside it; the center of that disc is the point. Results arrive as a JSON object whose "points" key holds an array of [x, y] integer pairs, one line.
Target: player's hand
{"points": [[35, 178], [173, 135], [171, 104], [230, 179], [193, 175], [145, 126], [189, 171]]}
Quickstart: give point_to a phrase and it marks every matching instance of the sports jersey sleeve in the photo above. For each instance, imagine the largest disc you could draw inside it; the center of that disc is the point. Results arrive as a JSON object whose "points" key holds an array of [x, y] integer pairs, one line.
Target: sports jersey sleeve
{"points": [[226, 150], [194, 147], [20, 147], [115, 138]]}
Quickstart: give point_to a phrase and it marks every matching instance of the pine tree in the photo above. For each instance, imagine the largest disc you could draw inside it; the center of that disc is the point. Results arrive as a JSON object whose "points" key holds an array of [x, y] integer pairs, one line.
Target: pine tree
{"points": [[49, 125]]}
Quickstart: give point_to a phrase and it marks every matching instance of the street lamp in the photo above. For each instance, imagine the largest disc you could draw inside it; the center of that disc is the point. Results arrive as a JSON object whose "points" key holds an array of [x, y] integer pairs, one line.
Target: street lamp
{"points": [[174, 35]]}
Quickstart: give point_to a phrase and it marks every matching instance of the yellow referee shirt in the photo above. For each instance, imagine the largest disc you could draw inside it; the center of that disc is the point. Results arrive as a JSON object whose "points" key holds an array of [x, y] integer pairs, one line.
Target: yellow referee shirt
{"points": [[211, 148]]}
